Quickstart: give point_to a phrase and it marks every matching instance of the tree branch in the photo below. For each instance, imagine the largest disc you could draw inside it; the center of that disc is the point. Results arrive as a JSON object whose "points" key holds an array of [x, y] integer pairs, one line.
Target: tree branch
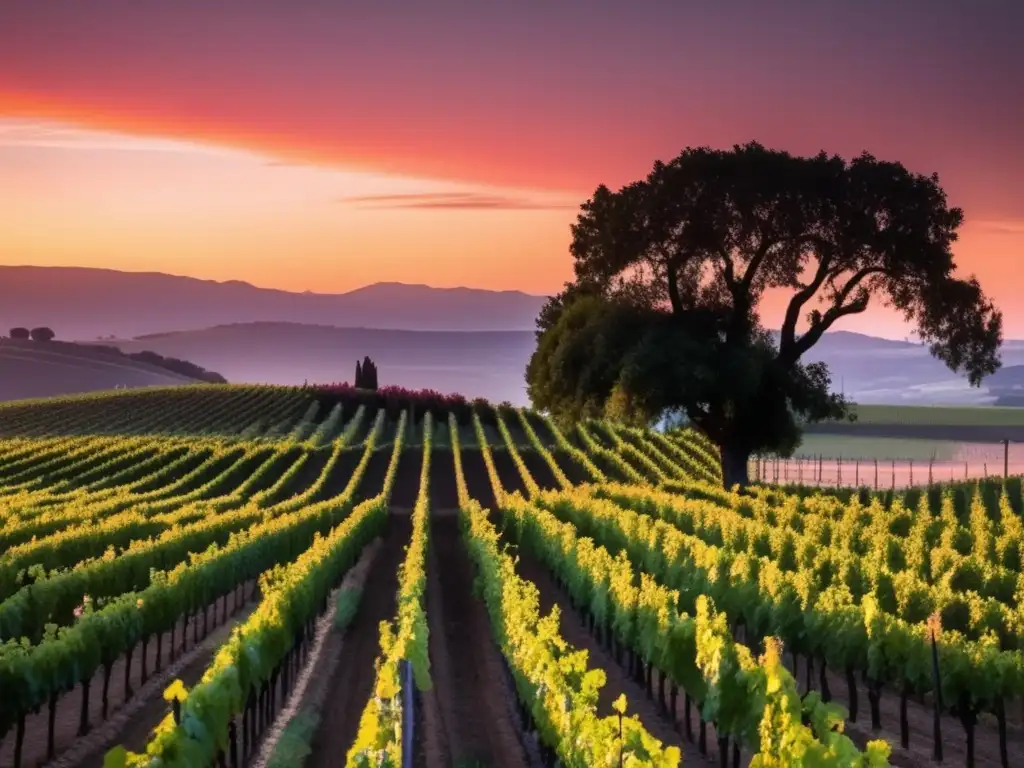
{"points": [[855, 280], [755, 262], [787, 334], [815, 332], [673, 286]]}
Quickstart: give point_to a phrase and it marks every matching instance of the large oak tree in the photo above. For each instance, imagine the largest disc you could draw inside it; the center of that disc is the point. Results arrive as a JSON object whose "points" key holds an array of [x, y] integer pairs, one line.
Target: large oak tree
{"points": [[670, 271]]}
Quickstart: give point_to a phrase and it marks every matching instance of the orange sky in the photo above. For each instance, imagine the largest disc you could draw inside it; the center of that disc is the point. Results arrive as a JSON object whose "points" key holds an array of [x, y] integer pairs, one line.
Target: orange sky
{"points": [[231, 144]]}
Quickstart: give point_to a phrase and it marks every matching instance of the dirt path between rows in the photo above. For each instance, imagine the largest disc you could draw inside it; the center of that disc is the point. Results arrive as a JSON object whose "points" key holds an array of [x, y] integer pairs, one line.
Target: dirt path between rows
{"points": [[577, 635], [508, 473], [539, 470], [469, 716], [478, 484], [351, 684], [329, 649]]}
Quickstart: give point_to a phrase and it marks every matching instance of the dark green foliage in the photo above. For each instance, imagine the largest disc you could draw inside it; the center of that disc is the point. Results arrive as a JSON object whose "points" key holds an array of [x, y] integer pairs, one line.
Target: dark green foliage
{"points": [[669, 272], [42, 334], [184, 367], [366, 374], [19, 333]]}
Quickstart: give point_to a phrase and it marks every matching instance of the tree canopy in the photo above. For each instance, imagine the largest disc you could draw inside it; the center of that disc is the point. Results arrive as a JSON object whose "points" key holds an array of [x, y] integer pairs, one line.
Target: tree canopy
{"points": [[670, 271]]}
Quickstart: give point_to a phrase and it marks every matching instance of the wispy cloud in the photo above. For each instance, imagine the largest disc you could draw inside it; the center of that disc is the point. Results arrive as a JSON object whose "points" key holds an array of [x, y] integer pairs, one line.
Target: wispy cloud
{"points": [[454, 201], [1005, 227], [16, 133]]}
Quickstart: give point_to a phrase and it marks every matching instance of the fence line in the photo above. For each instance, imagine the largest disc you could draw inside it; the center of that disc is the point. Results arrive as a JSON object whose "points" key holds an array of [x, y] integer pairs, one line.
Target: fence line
{"points": [[876, 473]]}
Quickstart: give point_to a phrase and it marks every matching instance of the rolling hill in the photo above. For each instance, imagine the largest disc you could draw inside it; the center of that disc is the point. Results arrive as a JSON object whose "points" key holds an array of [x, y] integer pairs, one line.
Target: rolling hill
{"points": [[478, 363], [491, 364], [33, 370]]}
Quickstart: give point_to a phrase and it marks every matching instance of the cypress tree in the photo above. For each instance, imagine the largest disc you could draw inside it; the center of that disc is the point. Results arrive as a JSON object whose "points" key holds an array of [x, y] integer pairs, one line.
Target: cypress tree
{"points": [[359, 376]]}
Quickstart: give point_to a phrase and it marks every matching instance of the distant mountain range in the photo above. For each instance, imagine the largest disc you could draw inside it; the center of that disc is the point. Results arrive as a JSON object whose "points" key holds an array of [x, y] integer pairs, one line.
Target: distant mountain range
{"points": [[467, 340], [85, 303]]}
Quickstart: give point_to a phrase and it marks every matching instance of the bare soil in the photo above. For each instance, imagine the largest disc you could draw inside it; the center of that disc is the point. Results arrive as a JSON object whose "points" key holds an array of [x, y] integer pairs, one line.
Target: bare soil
{"points": [[516, 432], [362, 430], [373, 477], [306, 476], [539, 470], [444, 491], [572, 469], [339, 478], [541, 428], [477, 481], [351, 685], [407, 479], [312, 687], [69, 706], [469, 715], [508, 473], [618, 682]]}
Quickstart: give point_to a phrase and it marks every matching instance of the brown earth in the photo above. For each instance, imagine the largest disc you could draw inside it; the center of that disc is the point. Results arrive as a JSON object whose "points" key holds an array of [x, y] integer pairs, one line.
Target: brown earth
{"points": [[573, 470], [306, 476], [469, 715], [539, 470], [508, 473], [540, 427], [352, 683], [618, 681], [477, 481], [312, 687], [407, 479], [444, 492], [339, 478], [373, 477]]}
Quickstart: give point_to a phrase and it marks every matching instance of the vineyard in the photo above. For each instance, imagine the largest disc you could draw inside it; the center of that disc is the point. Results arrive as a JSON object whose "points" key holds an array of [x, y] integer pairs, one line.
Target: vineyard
{"points": [[273, 576]]}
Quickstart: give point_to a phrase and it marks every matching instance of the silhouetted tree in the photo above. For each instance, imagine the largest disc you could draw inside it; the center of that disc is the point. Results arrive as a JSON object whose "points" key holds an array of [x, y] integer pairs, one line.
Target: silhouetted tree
{"points": [[42, 334], [368, 374], [19, 333], [663, 313], [359, 376]]}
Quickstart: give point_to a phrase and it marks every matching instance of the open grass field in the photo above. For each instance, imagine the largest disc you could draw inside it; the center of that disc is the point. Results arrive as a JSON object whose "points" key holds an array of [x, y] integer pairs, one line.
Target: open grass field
{"points": [[941, 415], [936, 424], [273, 576]]}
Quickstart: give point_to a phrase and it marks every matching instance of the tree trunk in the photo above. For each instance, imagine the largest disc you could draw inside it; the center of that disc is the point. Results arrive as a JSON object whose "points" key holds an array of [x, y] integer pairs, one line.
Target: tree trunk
{"points": [[734, 466]]}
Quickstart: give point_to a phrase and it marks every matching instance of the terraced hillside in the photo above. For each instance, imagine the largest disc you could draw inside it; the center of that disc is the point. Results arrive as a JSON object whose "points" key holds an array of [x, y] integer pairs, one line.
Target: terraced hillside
{"points": [[280, 576]]}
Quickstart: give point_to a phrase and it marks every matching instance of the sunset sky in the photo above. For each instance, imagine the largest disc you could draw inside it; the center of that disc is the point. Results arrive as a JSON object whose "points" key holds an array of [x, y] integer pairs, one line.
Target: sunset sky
{"points": [[325, 145]]}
